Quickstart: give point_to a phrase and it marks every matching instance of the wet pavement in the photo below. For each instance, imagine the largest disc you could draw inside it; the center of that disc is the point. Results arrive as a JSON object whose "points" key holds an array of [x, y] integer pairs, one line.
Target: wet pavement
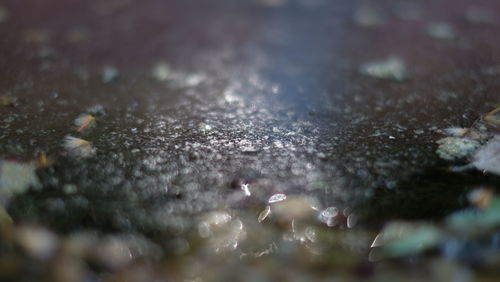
{"points": [[196, 119]]}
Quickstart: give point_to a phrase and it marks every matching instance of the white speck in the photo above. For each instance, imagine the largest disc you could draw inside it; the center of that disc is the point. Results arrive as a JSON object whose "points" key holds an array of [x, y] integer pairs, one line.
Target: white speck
{"points": [[276, 198], [391, 68], [455, 131], [418, 131], [275, 89], [204, 127], [246, 189], [194, 79]]}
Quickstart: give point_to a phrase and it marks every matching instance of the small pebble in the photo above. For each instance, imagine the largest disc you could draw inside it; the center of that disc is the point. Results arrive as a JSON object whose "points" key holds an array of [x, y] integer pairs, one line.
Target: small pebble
{"points": [[392, 68], [36, 241], [77, 147], [456, 148]]}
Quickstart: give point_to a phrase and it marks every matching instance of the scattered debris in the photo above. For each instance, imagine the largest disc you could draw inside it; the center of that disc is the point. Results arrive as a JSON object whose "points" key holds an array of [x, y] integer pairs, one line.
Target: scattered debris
{"points": [[204, 127], [246, 189], [7, 101], [403, 238], [455, 131], [456, 148], [481, 197], [264, 214], [69, 189], [492, 119], [161, 72], [16, 178], [294, 208], [97, 110], [277, 198], [211, 220], [112, 253], [329, 216], [194, 79], [38, 242], [392, 68], [222, 231], [77, 147], [487, 158], [479, 144], [472, 222], [83, 122], [399, 239], [42, 161], [352, 220]]}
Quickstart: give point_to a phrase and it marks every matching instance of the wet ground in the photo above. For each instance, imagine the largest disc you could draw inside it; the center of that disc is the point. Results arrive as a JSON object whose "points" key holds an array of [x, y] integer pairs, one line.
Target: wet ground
{"points": [[208, 114]]}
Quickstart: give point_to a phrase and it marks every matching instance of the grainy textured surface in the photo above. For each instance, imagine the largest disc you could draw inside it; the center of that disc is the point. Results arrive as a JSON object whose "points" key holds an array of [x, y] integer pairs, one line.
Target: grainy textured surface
{"points": [[203, 97]]}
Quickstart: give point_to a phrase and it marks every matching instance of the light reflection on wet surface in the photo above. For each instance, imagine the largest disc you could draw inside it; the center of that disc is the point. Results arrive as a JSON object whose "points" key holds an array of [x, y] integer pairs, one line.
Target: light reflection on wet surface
{"points": [[257, 125]]}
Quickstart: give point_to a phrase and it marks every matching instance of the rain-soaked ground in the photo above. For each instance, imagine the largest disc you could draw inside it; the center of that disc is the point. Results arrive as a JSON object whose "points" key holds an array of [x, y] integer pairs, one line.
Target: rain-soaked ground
{"points": [[258, 140]]}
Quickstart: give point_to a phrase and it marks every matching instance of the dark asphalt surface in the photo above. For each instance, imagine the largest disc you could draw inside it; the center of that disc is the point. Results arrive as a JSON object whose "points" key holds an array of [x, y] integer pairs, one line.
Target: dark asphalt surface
{"points": [[212, 95]]}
